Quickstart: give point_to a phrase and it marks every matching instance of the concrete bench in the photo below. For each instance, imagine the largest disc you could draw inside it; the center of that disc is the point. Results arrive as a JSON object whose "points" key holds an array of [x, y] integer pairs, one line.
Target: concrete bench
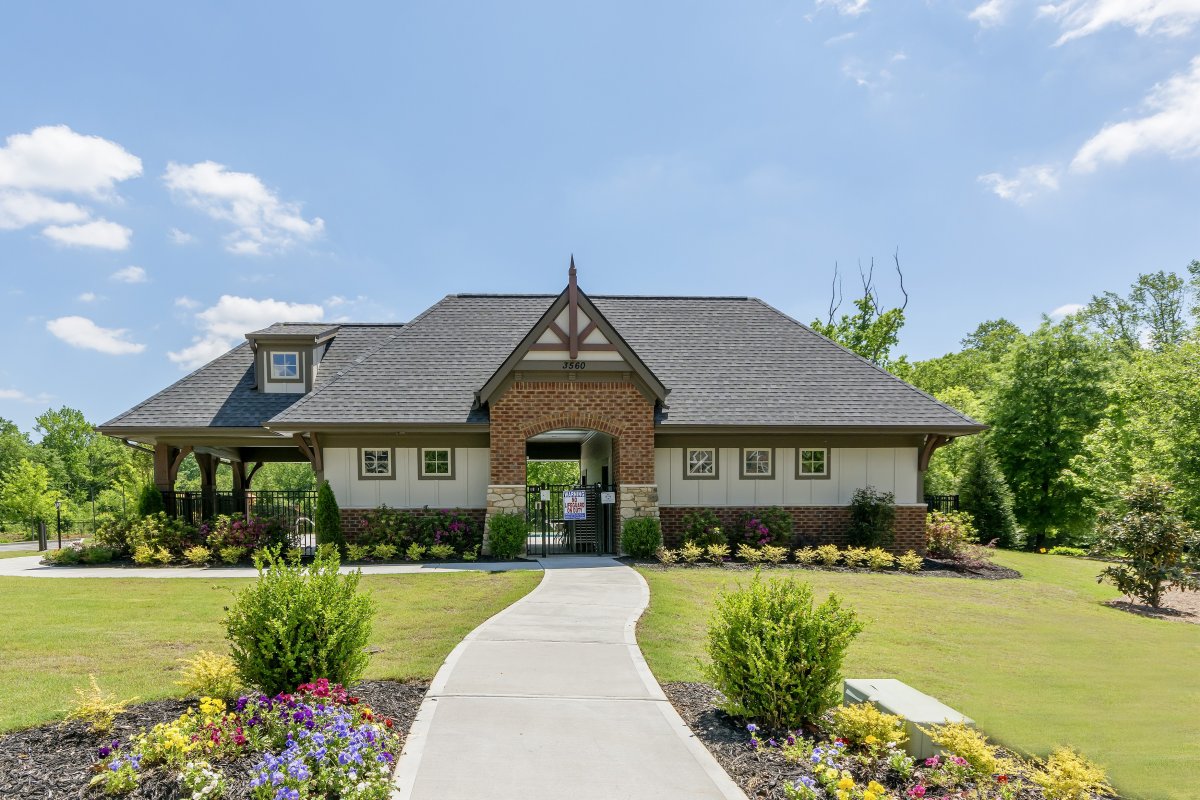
{"points": [[895, 697]]}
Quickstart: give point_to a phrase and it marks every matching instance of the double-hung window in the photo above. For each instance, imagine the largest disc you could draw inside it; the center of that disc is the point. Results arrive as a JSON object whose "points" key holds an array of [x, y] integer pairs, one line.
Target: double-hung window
{"points": [[436, 462], [285, 366], [812, 463]]}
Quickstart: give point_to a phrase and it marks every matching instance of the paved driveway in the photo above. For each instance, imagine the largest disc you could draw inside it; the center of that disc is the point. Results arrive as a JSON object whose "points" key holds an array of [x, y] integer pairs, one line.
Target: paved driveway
{"points": [[551, 698]]}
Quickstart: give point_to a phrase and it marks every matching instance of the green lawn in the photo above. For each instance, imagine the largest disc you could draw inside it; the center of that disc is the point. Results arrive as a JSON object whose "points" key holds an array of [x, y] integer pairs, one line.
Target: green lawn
{"points": [[130, 632], [17, 553], [1036, 662]]}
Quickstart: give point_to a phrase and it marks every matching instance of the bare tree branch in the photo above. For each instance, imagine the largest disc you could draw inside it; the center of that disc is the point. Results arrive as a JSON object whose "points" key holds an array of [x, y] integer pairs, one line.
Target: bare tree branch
{"points": [[835, 294], [900, 272]]}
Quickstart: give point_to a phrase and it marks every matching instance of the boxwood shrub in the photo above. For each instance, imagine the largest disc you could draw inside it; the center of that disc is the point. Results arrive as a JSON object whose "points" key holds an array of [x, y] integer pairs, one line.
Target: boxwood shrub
{"points": [[506, 535], [641, 537]]}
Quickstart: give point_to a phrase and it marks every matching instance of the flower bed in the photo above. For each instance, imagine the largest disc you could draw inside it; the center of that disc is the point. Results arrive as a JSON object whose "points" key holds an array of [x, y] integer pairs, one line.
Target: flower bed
{"points": [[819, 765], [317, 742]]}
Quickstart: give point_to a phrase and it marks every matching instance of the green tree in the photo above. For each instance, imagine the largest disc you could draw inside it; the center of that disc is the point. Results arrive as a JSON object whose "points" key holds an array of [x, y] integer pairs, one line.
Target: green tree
{"points": [[66, 433], [285, 475], [555, 473], [1160, 298], [872, 331], [984, 494], [1050, 397], [974, 367], [946, 467], [14, 446], [26, 494], [1150, 541], [328, 520]]}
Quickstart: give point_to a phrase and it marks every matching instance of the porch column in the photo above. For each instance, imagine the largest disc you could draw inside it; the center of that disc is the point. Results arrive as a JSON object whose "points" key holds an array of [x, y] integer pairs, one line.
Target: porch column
{"points": [[240, 484], [208, 483]]}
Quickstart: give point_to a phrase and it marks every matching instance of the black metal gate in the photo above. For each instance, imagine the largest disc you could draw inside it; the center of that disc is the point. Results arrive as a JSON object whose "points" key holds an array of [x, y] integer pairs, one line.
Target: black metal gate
{"points": [[551, 534]]}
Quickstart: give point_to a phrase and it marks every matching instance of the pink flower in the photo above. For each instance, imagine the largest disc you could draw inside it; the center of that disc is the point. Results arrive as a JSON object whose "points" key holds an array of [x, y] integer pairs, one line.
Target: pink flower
{"points": [[932, 761], [918, 790]]}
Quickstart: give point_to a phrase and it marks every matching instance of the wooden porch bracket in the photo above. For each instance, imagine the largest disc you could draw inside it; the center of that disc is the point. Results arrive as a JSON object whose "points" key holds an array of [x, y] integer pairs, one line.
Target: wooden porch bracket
{"points": [[932, 443], [311, 452], [176, 462]]}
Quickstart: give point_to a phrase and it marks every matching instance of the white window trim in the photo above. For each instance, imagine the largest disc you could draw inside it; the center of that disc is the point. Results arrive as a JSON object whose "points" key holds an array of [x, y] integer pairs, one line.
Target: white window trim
{"points": [[805, 476], [435, 476], [376, 476], [284, 378], [745, 474], [700, 476]]}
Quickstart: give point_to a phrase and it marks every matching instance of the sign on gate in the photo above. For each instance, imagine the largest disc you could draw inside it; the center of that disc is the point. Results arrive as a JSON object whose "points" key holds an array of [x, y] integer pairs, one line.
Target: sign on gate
{"points": [[575, 504], [608, 498]]}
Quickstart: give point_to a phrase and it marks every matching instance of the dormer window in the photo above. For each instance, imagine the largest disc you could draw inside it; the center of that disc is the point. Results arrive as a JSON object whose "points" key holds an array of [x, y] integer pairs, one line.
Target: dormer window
{"points": [[285, 366]]}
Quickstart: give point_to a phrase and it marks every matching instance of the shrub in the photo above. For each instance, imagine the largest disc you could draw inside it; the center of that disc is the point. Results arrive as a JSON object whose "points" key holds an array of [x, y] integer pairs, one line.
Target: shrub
{"points": [[161, 532], [716, 553], [910, 562], [872, 518], [208, 674], [1064, 550], [984, 494], [947, 533], [1150, 540], [855, 556], [960, 739], [828, 554], [239, 531], [703, 527], [1069, 776], [143, 554], [415, 552], [879, 559], [506, 535], [357, 552], [327, 519], [691, 552], [441, 552], [150, 501], [96, 553], [641, 536], [864, 724], [767, 525], [96, 707], [385, 552], [63, 557], [758, 638], [296, 624], [232, 554], [751, 555], [807, 555], [163, 556], [666, 556], [774, 554], [114, 533], [471, 554], [198, 555]]}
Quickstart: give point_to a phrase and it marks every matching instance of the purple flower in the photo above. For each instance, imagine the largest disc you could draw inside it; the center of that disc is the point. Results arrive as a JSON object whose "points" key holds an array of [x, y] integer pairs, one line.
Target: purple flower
{"points": [[752, 728]]}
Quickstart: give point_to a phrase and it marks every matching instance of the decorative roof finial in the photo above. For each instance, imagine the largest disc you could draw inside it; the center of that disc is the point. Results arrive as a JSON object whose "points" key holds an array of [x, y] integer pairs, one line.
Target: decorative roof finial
{"points": [[571, 272]]}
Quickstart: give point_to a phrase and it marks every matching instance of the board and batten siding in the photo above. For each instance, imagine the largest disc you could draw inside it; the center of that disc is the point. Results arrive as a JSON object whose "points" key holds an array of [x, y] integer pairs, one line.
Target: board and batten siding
{"points": [[468, 489], [888, 469]]}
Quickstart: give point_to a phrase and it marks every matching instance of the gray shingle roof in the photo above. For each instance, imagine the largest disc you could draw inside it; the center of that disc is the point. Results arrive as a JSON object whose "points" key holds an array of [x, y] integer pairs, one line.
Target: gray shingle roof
{"points": [[726, 361], [221, 394], [313, 329]]}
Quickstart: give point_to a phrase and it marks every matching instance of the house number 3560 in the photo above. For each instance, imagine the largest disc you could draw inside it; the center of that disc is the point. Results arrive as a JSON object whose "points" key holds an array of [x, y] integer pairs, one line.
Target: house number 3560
{"points": [[574, 365]]}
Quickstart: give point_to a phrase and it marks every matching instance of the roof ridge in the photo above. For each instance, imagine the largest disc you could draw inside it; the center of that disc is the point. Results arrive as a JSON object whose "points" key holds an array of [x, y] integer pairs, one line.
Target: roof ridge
{"points": [[362, 359], [504, 295], [866, 361]]}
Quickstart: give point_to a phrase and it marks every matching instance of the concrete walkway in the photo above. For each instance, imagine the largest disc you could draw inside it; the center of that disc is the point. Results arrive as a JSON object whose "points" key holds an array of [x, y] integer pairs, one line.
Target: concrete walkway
{"points": [[551, 698], [30, 567]]}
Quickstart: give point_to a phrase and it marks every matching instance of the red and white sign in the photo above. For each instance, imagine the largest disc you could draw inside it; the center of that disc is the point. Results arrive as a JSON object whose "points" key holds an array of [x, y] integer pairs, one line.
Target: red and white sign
{"points": [[575, 504]]}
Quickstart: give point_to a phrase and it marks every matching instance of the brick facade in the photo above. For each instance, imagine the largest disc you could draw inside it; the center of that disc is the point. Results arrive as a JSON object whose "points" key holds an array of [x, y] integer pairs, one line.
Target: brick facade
{"points": [[355, 519], [813, 525]]}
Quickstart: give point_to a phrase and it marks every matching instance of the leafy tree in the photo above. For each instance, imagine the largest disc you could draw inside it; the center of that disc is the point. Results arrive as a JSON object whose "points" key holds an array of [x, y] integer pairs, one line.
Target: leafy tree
{"points": [[1150, 541], [1051, 396], [66, 433], [554, 473], [974, 367], [946, 467], [1160, 300], [284, 475], [984, 494], [328, 519], [871, 331], [25, 493], [14, 446], [1117, 320], [149, 501]]}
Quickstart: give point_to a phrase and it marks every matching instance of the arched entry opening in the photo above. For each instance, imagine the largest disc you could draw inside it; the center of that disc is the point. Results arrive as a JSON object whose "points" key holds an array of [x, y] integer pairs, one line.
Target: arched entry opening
{"points": [[570, 500]]}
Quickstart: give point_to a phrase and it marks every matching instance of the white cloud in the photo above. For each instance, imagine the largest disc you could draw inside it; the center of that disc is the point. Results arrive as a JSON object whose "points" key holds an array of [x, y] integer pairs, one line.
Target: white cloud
{"points": [[180, 237], [1081, 18], [841, 38], [15, 394], [87, 297], [100, 233], [20, 209], [129, 275], [263, 223], [227, 322], [991, 13], [56, 160], [1022, 187], [850, 8], [1066, 310], [1172, 127], [81, 332], [186, 302]]}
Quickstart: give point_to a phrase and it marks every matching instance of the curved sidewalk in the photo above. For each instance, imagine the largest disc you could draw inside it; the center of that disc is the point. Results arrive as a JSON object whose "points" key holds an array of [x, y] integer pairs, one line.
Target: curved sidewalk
{"points": [[551, 698]]}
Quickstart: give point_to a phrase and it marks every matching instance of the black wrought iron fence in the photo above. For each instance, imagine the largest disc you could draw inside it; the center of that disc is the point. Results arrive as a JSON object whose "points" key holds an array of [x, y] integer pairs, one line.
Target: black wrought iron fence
{"points": [[197, 506], [941, 502]]}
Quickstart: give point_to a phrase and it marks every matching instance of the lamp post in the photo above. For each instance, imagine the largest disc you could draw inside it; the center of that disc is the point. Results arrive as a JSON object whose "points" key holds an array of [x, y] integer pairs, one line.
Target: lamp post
{"points": [[58, 515]]}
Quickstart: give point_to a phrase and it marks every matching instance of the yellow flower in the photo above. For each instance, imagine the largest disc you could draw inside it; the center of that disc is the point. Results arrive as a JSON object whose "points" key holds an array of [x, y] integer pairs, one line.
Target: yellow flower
{"points": [[869, 795], [843, 795], [846, 783], [830, 773], [871, 740], [876, 787]]}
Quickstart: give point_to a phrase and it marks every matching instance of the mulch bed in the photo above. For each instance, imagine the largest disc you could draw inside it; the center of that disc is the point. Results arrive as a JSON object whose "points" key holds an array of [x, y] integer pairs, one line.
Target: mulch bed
{"points": [[759, 773], [932, 568], [1176, 606], [54, 761]]}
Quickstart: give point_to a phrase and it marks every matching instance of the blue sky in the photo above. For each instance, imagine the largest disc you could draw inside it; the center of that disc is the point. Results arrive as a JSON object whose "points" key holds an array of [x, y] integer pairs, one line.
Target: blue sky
{"points": [[172, 176]]}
